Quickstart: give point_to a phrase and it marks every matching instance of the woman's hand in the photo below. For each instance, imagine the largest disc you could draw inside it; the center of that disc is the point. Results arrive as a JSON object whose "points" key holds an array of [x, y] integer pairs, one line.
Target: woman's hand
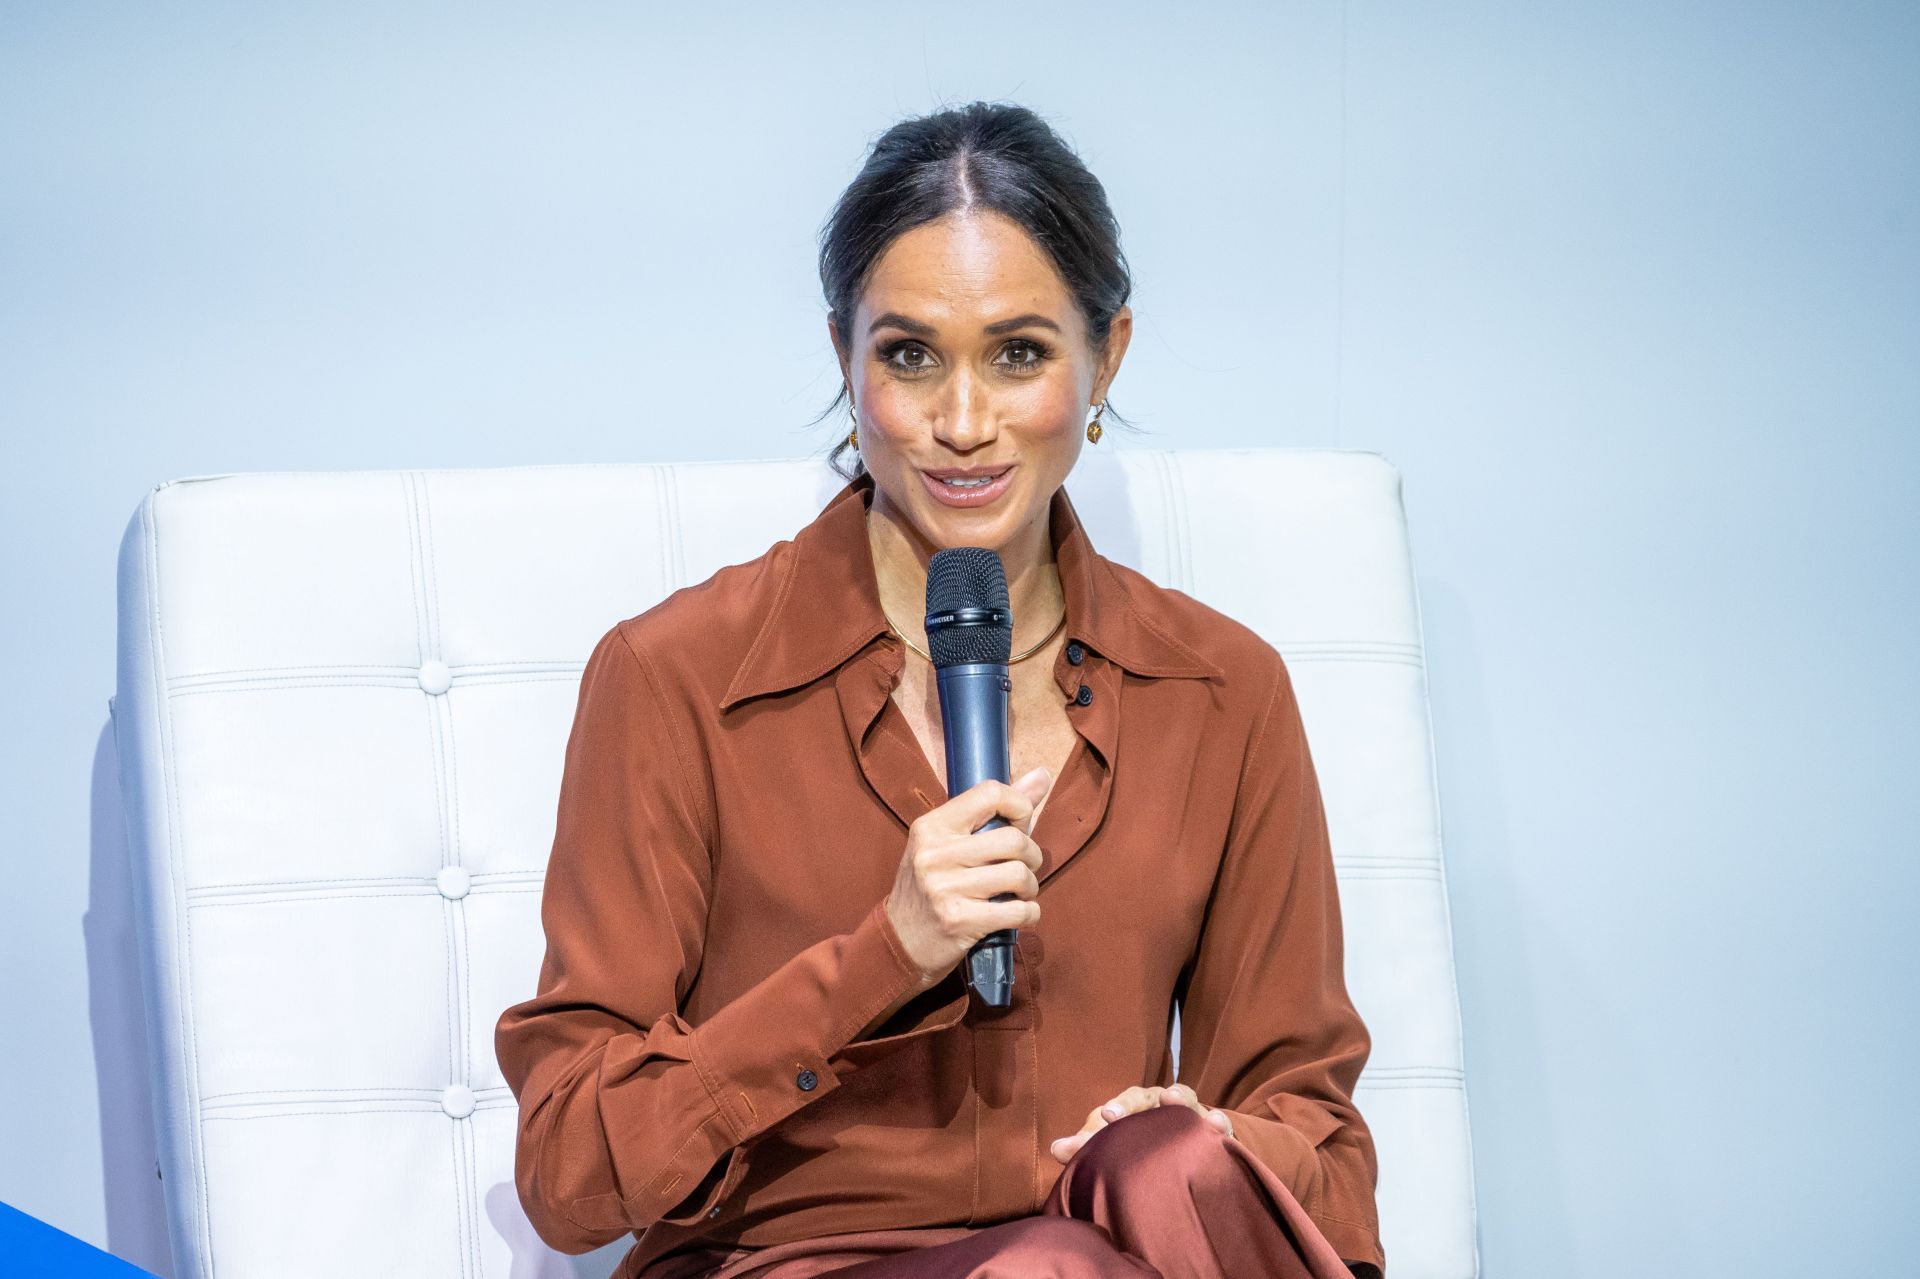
{"points": [[1139, 1099], [941, 899]]}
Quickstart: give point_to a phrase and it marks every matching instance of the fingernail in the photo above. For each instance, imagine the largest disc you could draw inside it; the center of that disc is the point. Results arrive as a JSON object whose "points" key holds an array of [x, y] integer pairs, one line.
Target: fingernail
{"points": [[1111, 1112]]}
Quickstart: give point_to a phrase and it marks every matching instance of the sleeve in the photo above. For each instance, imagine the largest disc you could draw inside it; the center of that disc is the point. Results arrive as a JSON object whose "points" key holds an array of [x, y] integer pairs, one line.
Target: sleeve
{"points": [[1267, 1030], [627, 1114]]}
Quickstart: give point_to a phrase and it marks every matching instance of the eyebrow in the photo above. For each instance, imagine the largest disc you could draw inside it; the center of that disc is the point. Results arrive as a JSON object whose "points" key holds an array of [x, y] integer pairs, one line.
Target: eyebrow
{"points": [[921, 329]]}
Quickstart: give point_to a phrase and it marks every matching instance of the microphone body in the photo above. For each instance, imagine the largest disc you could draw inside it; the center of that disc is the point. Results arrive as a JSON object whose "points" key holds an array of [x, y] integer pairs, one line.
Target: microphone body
{"points": [[973, 721], [969, 627]]}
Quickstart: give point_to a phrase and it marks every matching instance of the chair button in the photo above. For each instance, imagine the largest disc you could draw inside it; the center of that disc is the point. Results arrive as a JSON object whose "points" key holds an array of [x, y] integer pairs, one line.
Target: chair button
{"points": [[1084, 696], [1075, 653], [435, 677], [457, 1101], [807, 1080], [453, 882]]}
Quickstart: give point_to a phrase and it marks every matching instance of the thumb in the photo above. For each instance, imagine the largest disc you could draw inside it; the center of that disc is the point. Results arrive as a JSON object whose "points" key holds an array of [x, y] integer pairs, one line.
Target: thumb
{"points": [[1033, 784]]}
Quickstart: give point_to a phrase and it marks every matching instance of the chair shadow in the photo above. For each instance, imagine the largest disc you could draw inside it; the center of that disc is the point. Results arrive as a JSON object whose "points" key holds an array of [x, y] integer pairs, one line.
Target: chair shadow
{"points": [[116, 1015], [1519, 1156], [532, 1259]]}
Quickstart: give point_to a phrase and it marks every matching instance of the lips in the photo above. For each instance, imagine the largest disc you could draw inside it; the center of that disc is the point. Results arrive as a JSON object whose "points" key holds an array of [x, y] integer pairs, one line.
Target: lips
{"points": [[966, 486]]}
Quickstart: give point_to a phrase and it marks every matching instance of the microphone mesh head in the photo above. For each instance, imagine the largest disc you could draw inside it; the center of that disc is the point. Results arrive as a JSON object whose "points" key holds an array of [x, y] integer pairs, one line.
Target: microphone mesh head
{"points": [[968, 577]]}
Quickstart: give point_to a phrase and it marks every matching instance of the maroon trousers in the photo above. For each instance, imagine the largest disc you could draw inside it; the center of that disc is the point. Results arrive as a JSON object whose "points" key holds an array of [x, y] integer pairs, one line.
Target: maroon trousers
{"points": [[1159, 1192]]}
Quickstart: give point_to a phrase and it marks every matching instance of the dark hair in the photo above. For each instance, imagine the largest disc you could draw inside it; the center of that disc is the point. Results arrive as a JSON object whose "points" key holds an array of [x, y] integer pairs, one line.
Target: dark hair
{"points": [[982, 155]]}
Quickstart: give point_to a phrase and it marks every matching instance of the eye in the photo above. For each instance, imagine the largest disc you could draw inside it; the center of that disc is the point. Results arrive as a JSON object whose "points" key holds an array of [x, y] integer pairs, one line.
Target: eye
{"points": [[921, 358], [1029, 354]]}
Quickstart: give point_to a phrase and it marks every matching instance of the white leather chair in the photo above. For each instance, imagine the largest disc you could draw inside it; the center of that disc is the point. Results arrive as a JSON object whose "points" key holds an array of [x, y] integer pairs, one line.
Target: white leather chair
{"points": [[343, 701]]}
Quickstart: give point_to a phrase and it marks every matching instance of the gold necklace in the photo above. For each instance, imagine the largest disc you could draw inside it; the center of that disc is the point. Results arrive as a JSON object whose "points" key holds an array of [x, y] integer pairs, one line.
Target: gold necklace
{"points": [[1017, 657]]}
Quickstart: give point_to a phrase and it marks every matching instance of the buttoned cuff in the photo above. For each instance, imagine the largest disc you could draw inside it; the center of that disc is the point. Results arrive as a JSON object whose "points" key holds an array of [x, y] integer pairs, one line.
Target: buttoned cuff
{"points": [[1354, 1244], [689, 1165], [1285, 1152], [1286, 1137], [633, 1118], [778, 1046]]}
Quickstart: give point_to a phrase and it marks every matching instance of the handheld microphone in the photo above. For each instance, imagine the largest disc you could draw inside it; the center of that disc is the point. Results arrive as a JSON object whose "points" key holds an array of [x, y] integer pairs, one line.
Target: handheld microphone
{"points": [[970, 636]]}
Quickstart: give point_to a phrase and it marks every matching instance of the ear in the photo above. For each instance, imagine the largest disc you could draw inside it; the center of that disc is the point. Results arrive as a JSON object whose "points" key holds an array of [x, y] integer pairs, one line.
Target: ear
{"points": [[840, 352], [1119, 334]]}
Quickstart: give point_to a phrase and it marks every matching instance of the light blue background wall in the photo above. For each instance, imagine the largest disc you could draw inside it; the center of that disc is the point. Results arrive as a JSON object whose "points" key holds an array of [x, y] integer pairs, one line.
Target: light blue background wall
{"points": [[1629, 292]]}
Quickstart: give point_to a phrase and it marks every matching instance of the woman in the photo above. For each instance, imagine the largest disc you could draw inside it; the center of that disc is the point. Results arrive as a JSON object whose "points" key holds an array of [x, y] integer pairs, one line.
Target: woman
{"points": [[752, 1043]]}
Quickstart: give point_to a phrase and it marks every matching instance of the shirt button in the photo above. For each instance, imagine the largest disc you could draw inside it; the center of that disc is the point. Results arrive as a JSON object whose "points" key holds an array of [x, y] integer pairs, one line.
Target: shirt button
{"points": [[1084, 696], [806, 1079], [1075, 653]]}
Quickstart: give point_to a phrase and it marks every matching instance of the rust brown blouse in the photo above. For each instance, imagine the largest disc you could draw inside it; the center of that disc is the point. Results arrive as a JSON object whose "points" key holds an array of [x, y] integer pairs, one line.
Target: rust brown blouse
{"points": [[701, 1061]]}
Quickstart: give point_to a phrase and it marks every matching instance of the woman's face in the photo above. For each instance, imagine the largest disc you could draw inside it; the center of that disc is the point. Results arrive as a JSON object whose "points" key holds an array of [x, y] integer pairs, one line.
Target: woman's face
{"points": [[972, 378]]}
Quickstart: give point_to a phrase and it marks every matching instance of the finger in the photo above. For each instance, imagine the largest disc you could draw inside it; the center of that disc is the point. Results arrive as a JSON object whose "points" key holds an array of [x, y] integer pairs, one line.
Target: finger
{"points": [[1014, 876], [986, 847], [973, 807], [1097, 1119], [1180, 1094], [1126, 1103], [1034, 784], [1067, 1147], [1104, 1114], [990, 914], [1133, 1099]]}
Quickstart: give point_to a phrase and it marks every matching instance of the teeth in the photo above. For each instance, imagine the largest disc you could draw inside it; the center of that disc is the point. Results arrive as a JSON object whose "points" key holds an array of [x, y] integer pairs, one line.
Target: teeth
{"points": [[971, 484]]}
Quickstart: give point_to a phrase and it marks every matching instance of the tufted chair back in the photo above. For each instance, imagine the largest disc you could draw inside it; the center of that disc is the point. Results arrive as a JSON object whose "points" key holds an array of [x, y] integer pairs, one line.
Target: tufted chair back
{"points": [[343, 702]]}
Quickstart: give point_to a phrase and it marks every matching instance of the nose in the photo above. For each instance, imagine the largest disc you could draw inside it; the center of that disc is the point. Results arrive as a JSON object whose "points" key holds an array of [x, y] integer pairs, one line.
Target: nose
{"points": [[964, 419]]}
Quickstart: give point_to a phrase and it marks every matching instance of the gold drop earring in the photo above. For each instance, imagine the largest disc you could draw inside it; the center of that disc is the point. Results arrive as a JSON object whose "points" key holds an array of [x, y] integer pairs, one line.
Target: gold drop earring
{"points": [[853, 436], [1094, 430]]}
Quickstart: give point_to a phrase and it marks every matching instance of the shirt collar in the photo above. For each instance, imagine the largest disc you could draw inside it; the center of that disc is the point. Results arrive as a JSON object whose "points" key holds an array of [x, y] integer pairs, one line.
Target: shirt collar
{"points": [[826, 608]]}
